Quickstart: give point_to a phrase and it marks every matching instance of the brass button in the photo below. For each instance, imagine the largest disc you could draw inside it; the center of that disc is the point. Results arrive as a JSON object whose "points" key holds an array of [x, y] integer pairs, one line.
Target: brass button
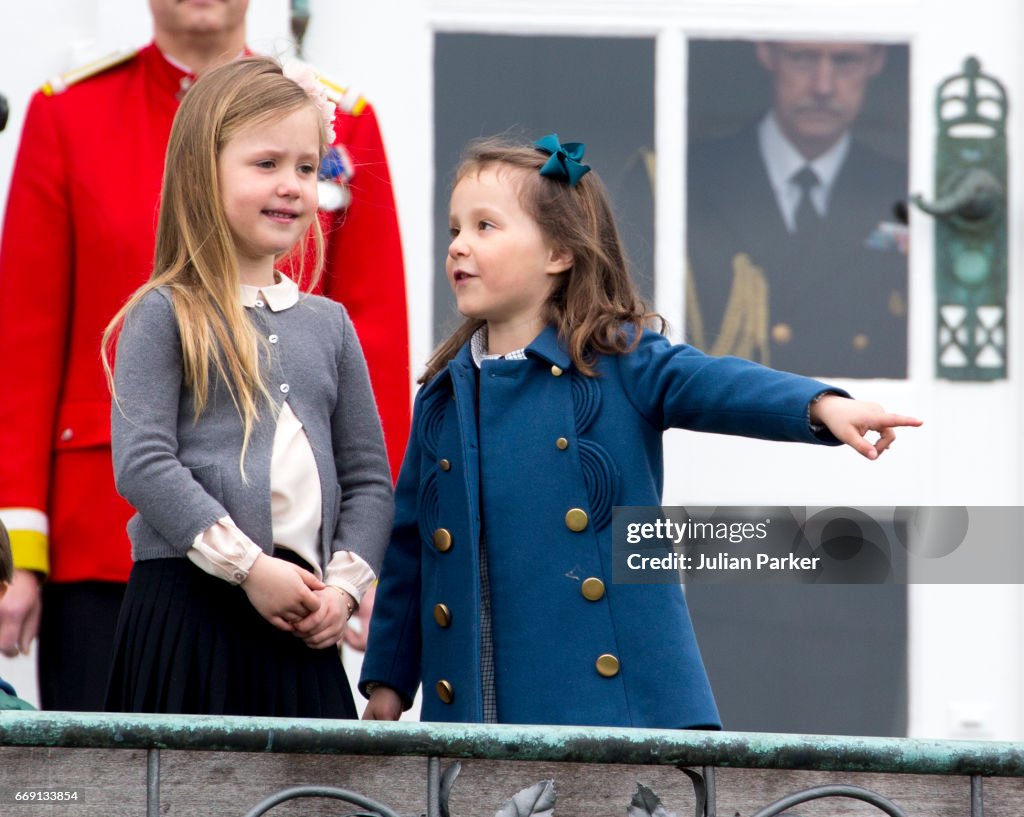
{"points": [[607, 665], [446, 692], [860, 342], [443, 539], [576, 519], [442, 615], [782, 333], [897, 306], [562, 443], [556, 371], [592, 589], [445, 465]]}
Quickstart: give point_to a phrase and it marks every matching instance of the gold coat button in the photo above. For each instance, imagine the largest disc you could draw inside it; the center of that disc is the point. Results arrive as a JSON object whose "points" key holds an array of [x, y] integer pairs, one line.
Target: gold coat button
{"points": [[562, 443], [445, 465], [592, 589], [576, 519], [442, 615], [556, 371], [782, 333], [443, 540], [607, 665], [445, 691], [861, 342], [897, 306]]}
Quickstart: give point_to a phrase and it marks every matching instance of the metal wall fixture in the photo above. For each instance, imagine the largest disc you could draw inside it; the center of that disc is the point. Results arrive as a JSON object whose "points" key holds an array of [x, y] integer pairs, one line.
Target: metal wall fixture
{"points": [[299, 22], [970, 226]]}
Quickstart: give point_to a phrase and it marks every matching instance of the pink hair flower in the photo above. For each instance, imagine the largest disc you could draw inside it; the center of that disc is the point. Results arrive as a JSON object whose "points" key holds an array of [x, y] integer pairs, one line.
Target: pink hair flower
{"points": [[304, 76]]}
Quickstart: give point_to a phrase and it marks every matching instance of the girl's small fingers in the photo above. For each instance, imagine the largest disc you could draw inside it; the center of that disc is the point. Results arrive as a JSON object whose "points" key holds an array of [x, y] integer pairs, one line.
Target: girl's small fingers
{"points": [[884, 440], [898, 420], [281, 624], [320, 641], [308, 579], [310, 602], [858, 443]]}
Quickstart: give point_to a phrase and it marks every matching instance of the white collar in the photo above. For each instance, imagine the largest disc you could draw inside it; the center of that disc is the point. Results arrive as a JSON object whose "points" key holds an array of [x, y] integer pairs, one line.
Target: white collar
{"points": [[177, 63], [783, 160], [278, 297], [478, 345], [185, 69]]}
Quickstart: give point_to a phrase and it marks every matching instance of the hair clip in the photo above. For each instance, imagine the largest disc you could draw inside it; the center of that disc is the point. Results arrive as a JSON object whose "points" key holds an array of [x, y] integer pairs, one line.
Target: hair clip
{"points": [[565, 159], [303, 76]]}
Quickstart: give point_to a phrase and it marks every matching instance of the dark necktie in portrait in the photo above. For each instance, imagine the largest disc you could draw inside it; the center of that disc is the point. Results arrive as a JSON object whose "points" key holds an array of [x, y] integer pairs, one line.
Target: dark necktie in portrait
{"points": [[807, 218]]}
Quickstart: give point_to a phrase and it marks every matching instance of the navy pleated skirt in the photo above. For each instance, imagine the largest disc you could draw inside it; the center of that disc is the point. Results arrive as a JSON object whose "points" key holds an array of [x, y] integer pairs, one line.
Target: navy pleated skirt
{"points": [[190, 643]]}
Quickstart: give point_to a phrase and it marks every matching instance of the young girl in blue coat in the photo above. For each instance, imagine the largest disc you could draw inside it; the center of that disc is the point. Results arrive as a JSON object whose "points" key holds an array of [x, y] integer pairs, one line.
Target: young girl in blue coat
{"points": [[244, 430], [544, 410]]}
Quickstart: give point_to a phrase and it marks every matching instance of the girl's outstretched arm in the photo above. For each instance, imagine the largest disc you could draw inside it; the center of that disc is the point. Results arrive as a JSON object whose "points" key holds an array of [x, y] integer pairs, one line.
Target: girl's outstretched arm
{"points": [[281, 592], [849, 420]]}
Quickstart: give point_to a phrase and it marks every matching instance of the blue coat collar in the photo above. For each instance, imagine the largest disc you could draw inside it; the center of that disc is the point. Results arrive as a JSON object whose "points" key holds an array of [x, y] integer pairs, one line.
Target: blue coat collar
{"points": [[546, 346]]}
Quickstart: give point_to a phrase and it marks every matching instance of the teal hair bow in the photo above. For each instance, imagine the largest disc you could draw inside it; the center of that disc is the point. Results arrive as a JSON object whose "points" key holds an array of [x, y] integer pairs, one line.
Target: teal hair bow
{"points": [[564, 162]]}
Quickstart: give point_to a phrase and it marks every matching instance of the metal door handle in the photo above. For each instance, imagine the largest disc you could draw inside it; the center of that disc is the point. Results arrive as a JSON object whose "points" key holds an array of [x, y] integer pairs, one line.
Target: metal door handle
{"points": [[976, 198]]}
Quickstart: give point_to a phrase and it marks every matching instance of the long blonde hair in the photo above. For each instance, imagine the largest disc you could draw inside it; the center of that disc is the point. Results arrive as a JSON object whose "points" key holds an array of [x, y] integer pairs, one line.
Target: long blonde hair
{"points": [[195, 255], [595, 303]]}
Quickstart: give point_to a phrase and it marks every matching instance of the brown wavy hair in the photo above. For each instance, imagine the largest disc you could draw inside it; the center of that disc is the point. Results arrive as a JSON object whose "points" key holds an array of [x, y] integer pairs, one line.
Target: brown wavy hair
{"points": [[594, 304], [195, 252]]}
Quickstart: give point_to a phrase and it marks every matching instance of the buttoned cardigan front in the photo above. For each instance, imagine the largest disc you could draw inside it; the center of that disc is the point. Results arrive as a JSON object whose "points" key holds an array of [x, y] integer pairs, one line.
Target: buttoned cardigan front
{"points": [[182, 474], [537, 461]]}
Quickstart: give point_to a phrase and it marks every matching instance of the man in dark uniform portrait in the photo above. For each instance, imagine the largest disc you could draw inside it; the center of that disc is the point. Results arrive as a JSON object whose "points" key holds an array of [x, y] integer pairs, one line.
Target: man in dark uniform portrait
{"points": [[795, 256]]}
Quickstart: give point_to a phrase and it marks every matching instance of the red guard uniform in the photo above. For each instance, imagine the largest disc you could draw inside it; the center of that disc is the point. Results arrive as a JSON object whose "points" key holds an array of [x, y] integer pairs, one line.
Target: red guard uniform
{"points": [[78, 239]]}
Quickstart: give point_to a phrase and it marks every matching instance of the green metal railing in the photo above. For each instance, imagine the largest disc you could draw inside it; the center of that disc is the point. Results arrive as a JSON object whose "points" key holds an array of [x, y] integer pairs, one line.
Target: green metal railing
{"points": [[687, 750]]}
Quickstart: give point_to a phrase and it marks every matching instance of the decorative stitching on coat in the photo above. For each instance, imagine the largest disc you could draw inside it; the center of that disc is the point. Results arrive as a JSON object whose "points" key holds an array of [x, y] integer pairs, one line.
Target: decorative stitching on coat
{"points": [[429, 507], [601, 477], [432, 421], [586, 400], [600, 474]]}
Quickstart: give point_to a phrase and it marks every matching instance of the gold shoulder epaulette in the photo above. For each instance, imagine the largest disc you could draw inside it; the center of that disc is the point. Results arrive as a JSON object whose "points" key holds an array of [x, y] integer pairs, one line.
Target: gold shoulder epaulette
{"points": [[64, 81], [347, 99]]}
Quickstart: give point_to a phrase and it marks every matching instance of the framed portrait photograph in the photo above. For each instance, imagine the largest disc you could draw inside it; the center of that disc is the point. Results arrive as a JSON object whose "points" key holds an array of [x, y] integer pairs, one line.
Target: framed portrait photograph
{"points": [[796, 204]]}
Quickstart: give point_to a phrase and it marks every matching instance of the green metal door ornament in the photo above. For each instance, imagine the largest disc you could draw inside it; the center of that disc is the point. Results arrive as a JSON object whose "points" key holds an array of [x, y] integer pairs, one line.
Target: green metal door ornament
{"points": [[970, 226], [299, 23]]}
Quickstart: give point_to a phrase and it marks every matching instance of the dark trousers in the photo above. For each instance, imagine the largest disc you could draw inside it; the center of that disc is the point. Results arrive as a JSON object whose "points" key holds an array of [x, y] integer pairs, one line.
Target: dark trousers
{"points": [[76, 638]]}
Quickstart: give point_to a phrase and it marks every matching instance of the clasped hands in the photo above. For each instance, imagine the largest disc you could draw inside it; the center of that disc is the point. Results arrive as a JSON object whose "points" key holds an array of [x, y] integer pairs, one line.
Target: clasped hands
{"points": [[295, 601]]}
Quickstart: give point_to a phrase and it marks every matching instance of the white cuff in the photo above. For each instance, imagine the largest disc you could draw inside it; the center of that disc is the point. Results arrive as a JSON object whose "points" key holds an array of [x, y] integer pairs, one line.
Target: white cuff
{"points": [[351, 573], [222, 550]]}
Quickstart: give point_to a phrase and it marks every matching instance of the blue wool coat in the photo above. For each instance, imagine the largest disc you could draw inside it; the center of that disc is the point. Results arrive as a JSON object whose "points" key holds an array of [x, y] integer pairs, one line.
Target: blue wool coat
{"points": [[541, 441]]}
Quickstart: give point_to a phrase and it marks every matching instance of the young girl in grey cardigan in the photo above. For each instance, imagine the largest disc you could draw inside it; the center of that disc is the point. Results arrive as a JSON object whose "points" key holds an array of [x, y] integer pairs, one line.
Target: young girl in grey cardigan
{"points": [[244, 430]]}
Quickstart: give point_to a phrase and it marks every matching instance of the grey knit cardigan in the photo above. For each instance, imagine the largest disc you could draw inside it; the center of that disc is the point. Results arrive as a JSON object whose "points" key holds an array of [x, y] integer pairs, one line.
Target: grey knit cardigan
{"points": [[182, 475]]}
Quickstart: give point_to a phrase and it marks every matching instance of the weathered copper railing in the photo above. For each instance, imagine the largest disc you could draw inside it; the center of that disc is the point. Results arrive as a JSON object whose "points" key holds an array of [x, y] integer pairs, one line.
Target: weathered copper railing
{"points": [[695, 753]]}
